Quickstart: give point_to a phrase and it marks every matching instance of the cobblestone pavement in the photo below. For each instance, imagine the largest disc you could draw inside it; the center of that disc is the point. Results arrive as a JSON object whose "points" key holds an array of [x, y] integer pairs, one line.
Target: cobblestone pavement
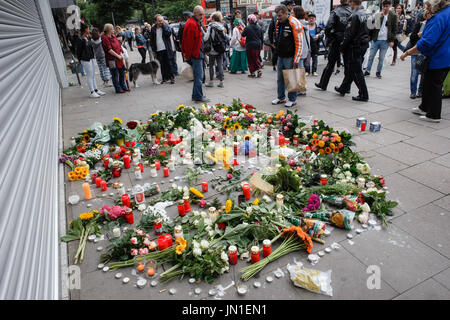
{"points": [[413, 252]]}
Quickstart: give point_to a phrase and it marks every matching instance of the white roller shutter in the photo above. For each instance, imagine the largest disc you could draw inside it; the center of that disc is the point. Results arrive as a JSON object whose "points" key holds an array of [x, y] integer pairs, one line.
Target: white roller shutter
{"points": [[29, 134]]}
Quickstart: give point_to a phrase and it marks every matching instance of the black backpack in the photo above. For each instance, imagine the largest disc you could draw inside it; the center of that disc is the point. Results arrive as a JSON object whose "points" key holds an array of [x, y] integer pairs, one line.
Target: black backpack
{"points": [[218, 41]]}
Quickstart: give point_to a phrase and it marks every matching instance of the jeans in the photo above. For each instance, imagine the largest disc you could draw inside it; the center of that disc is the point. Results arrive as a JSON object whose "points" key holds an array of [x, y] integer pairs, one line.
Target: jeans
{"points": [[213, 61], [118, 79], [173, 64], [415, 77], [197, 68], [89, 68], [283, 64], [381, 45], [312, 58]]}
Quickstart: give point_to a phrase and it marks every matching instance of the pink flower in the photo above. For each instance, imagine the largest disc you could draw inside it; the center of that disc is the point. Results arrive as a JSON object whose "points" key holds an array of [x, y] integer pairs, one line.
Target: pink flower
{"points": [[325, 138], [229, 176], [147, 242], [202, 203], [333, 139], [147, 236], [286, 128], [143, 251], [134, 240], [140, 232], [340, 145], [134, 252], [288, 117], [325, 132]]}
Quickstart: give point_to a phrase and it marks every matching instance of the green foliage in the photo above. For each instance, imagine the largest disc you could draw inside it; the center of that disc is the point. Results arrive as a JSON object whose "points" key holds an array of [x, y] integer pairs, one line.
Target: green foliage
{"points": [[284, 180], [379, 205]]}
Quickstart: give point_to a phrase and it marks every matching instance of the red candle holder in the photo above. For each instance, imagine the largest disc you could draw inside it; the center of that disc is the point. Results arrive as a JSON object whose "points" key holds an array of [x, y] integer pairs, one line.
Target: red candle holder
{"points": [[166, 172], [129, 216], [181, 210], [98, 182], [104, 185], [158, 165], [232, 255], [246, 190], [126, 161], [205, 186], [126, 201], [162, 243]]}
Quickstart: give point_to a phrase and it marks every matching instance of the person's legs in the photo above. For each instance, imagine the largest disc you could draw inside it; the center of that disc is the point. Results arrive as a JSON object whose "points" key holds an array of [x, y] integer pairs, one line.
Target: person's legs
{"points": [[219, 70], [122, 82], [281, 87], [394, 59], [174, 65], [90, 76], [357, 74], [308, 64], [94, 82], [212, 62], [348, 78], [104, 71], [314, 63], [143, 54], [244, 63], [414, 76], [251, 61], [197, 67], [333, 57], [130, 42], [373, 51], [289, 64], [432, 96], [384, 46], [115, 79]]}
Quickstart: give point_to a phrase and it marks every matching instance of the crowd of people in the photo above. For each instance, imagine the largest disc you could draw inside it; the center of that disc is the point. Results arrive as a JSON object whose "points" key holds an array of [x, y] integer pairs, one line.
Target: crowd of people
{"points": [[351, 38]]}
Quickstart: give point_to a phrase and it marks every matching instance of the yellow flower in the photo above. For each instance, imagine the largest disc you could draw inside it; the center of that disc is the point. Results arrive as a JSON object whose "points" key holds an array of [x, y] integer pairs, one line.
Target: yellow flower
{"points": [[179, 249], [118, 120], [256, 202], [154, 114], [237, 126], [321, 143], [85, 131], [181, 241], [86, 216], [338, 139], [180, 106], [228, 206]]}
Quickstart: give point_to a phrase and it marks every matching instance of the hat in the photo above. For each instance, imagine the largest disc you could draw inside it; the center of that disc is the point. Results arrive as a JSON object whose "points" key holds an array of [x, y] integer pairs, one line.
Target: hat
{"points": [[187, 14], [252, 18], [288, 2], [311, 15]]}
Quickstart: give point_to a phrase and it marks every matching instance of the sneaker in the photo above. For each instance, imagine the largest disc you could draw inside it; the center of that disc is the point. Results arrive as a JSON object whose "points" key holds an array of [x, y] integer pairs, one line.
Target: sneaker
{"points": [[290, 104], [419, 95], [107, 85], [274, 68], [94, 95], [378, 74], [243, 72], [301, 93], [220, 85], [366, 73], [393, 63], [315, 74], [416, 110], [412, 96], [100, 93], [251, 75], [172, 81], [306, 74], [209, 84], [425, 118], [259, 75], [278, 101]]}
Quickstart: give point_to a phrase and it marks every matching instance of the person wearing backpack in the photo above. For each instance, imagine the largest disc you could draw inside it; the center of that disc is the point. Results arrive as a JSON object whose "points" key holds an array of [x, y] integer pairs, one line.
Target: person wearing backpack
{"points": [[215, 46], [253, 45], [239, 57]]}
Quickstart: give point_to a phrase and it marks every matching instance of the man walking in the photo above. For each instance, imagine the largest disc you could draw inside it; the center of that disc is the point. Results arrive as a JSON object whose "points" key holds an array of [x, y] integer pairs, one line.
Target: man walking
{"points": [[382, 38], [334, 32], [161, 44], [354, 45], [192, 48], [130, 37], [288, 37]]}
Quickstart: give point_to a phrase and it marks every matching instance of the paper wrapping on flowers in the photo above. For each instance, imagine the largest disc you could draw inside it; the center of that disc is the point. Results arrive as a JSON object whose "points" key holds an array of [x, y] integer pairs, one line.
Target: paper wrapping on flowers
{"points": [[256, 182], [312, 280], [102, 136], [160, 210]]}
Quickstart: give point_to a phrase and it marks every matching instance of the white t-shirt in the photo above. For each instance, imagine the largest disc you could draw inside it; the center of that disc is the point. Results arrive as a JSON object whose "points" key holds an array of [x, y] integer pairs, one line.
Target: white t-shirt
{"points": [[160, 46], [382, 34]]}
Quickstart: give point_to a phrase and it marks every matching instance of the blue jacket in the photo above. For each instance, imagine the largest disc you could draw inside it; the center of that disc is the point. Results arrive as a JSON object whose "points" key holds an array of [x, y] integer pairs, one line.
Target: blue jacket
{"points": [[166, 34], [436, 32], [140, 40]]}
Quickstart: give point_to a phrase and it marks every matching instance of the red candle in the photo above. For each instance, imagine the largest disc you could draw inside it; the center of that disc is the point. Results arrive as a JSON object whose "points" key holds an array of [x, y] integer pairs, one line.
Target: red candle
{"points": [[187, 204], [158, 226], [162, 243], [232, 255], [116, 156], [158, 165], [246, 191], [323, 179], [254, 254], [103, 185], [236, 148], [129, 216], [166, 172], [181, 210], [169, 240], [205, 186], [363, 126], [281, 140], [126, 201], [235, 163], [141, 166], [98, 182], [267, 248], [156, 141], [133, 143], [128, 144], [126, 161]]}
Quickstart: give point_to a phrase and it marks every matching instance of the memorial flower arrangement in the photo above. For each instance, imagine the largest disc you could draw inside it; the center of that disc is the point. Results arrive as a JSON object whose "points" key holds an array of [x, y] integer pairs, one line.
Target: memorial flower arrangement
{"points": [[348, 190]]}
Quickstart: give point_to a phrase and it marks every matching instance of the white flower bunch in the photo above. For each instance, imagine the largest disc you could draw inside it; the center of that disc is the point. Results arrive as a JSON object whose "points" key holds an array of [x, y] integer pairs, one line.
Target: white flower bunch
{"points": [[204, 244], [346, 166], [96, 154], [364, 168]]}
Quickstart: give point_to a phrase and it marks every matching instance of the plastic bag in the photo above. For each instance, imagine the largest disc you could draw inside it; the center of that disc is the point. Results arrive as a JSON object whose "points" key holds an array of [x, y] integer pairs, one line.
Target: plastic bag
{"points": [[102, 135], [312, 280], [295, 79], [187, 72], [388, 57]]}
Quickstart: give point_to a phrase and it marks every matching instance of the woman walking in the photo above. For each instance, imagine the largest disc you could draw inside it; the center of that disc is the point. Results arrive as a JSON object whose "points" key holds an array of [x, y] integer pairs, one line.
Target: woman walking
{"points": [[216, 31], [435, 45], [254, 43], [114, 58], [85, 54], [400, 35], [140, 43], [239, 57], [100, 57]]}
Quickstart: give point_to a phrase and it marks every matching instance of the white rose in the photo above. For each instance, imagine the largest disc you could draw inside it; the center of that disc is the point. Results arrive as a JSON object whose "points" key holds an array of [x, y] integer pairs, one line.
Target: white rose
{"points": [[348, 174], [207, 221], [180, 188], [224, 256], [142, 207], [196, 213], [211, 233], [208, 228], [196, 222], [249, 210], [366, 169], [365, 207], [204, 214], [196, 244], [336, 171], [174, 185], [197, 252], [359, 167], [341, 176], [372, 190], [204, 244]]}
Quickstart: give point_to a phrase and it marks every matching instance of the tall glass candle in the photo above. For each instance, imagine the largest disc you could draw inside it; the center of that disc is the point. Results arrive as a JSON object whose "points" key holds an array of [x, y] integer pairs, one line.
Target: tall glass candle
{"points": [[104, 185], [98, 182], [246, 191], [157, 165], [205, 186], [267, 248], [87, 191], [126, 201], [232, 255], [126, 161], [166, 172], [254, 254], [129, 216]]}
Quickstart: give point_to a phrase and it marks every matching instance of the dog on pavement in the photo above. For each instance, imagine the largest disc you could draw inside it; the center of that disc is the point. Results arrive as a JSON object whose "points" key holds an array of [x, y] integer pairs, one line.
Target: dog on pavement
{"points": [[150, 68]]}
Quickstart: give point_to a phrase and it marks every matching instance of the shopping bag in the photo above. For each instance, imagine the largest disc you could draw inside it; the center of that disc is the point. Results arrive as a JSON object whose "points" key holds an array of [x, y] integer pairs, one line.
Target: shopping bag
{"points": [[295, 79], [187, 73], [388, 57], [447, 85]]}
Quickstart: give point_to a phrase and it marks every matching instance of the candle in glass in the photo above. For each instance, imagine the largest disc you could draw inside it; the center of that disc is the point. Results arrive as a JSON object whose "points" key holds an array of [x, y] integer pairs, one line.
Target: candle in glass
{"points": [[126, 201], [87, 191], [246, 191], [126, 161], [166, 172], [255, 254], [267, 248]]}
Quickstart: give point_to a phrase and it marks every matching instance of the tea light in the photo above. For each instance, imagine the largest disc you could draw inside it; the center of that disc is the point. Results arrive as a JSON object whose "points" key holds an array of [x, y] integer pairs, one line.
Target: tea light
{"points": [[323, 179], [116, 232], [280, 201]]}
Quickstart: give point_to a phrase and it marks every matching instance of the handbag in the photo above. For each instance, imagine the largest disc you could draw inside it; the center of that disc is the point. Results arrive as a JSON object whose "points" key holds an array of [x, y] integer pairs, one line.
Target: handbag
{"points": [[295, 79], [422, 61]]}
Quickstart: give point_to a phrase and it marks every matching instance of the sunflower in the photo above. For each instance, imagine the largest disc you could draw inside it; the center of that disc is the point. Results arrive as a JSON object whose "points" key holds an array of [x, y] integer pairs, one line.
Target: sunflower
{"points": [[314, 135], [237, 126], [321, 151], [180, 106], [327, 150], [86, 137], [336, 150], [332, 146], [315, 142], [118, 120]]}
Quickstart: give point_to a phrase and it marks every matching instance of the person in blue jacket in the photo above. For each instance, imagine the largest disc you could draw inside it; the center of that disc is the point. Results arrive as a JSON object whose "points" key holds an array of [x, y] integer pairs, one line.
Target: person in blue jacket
{"points": [[140, 43], [434, 44]]}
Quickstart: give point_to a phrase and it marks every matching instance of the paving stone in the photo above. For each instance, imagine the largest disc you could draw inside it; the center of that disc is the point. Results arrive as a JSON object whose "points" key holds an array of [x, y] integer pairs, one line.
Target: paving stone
{"points": [[362, 144], [404, 261], [430, 174], [443, 278], [431, 142], [408, 193], [443, 132], [427, 290], [443, 160], [382, 165], [409, 128], [390, 116], [406, 153], [443, 202], [385, 137], [429, 217]]}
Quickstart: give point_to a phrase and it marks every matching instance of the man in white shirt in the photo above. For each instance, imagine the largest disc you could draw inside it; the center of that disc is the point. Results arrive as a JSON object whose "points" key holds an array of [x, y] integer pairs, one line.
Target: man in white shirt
{"points": [[382, 38], [162, 46]]}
